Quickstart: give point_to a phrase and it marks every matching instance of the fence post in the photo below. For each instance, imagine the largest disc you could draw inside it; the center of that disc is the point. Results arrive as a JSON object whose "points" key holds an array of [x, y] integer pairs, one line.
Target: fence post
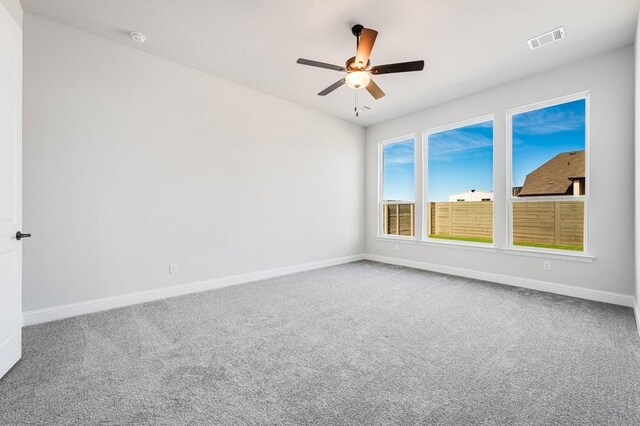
{"points": [[385, 219], [411, 218], [432, 221]]}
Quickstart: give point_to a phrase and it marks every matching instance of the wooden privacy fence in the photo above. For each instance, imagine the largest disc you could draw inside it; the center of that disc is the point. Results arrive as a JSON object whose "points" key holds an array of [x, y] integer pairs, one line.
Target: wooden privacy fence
{"points": [[545, 222], [461, 219], [398, 219], [553, 222]]}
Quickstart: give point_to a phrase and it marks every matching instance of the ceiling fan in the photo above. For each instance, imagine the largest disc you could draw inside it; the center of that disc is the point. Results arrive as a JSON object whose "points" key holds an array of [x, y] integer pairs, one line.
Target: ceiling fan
{"points": [[357, 68]]}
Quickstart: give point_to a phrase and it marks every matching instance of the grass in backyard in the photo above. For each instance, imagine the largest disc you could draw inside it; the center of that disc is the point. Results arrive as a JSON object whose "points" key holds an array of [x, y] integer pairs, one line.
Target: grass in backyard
{"points": [[489, 241], [551, 246], [455, 238]]}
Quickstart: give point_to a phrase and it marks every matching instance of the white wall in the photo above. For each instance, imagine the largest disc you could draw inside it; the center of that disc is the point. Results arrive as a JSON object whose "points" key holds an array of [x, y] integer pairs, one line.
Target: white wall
{"points": [[132, 162], [14, 8], [609, 77], [637, 167]]}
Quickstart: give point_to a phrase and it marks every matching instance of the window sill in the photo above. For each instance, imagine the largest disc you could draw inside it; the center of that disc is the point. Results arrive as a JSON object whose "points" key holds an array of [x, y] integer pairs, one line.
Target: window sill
{"points": [[397, 239], [460, 245], [575, 257]]}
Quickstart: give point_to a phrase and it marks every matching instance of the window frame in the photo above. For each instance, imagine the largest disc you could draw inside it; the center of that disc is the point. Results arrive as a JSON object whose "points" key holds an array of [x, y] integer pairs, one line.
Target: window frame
{"points": [[379, 226], [510, 199], [424, 237]]}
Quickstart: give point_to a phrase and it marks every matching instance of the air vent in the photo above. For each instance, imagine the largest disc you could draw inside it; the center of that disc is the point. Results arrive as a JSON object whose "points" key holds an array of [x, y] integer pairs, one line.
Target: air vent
{"points": [[546, 38]]}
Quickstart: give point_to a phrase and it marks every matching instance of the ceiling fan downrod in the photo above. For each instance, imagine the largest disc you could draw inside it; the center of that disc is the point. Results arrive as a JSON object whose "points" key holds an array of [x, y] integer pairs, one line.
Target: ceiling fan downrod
{"points": [[356, 30]]}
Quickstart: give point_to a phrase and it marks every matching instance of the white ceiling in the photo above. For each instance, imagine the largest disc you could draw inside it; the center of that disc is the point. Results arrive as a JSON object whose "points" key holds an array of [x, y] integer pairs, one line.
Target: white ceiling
{"points": [[468, 45]]}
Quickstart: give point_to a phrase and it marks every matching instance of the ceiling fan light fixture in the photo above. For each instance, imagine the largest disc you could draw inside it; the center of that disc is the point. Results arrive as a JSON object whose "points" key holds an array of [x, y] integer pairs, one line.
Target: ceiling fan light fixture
{"points": [[357, 79]]}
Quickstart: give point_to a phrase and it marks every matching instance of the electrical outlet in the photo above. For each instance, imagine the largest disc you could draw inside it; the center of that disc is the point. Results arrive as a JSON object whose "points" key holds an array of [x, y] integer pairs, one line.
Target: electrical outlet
{"points": [[173, 268], [397, 247], [546, 265]]}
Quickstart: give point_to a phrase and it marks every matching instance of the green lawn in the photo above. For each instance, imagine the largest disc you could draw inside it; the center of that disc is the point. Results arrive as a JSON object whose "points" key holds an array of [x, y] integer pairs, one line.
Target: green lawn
{"points": [[470, 239], [551, 246], [489, 241]]}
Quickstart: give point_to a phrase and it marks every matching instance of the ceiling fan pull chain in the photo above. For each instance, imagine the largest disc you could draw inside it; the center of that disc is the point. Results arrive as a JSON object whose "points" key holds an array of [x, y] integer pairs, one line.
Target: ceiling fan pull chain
{"points": [[355, 108]]}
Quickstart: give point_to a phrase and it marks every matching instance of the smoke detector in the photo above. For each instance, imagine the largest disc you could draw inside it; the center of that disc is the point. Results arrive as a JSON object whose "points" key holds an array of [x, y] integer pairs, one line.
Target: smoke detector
{"points": [[138, 37], [546, 38]]}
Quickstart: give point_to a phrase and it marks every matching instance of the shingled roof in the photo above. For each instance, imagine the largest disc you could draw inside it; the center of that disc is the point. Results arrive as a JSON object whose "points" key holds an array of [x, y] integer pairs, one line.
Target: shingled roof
{"points": [[556, 176]]}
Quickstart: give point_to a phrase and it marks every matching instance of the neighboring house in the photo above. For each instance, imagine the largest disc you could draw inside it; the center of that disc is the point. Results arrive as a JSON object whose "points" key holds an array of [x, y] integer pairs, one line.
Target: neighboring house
{"points": [[564, 174], [472, 195]]}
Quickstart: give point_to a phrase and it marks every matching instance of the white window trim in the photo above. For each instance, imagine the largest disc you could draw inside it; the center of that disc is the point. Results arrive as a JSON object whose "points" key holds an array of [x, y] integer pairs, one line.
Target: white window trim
{"points": [[424, 237], [466, 245], [582, 256], [397, 238], [380, 235], [577, 256]]}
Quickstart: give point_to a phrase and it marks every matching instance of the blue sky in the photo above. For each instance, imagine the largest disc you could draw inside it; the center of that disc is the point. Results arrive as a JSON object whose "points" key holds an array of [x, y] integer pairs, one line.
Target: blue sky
{"points": [[399, 171], [540, 135], [462, 159], [459, 160]]}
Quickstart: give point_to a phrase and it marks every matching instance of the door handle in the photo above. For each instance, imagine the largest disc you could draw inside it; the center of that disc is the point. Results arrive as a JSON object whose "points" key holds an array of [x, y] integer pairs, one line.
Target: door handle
{"points": [[20, 235]]}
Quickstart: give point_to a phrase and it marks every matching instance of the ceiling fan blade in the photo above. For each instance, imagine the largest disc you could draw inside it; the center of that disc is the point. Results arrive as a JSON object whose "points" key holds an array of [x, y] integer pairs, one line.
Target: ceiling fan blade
{"points": [[399, 67], [331, 88], [320, 64], [365, 44], [374, 89]]}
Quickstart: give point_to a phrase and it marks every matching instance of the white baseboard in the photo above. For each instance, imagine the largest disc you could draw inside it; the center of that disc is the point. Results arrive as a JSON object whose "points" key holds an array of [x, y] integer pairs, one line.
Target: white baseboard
{"points": [[549, 287], [90, 306], [96, 305]]}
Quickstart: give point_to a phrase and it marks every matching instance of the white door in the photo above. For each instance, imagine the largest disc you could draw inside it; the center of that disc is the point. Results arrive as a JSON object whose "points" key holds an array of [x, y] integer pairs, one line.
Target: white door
{"points": [[10, 190]]}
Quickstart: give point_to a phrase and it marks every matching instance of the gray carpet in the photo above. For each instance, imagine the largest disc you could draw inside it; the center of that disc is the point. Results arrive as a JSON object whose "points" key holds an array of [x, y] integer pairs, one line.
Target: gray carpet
{"points": [[362, 343]]}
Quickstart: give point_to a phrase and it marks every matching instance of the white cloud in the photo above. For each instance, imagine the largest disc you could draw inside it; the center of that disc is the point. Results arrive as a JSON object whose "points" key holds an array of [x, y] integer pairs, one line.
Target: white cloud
{"points": [[443, 145], [547, 121], [399, 154]]}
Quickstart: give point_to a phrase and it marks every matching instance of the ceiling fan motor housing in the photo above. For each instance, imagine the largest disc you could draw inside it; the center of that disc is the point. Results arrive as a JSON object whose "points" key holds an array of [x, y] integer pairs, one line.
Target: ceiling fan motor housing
{"points": [[350, 64]]}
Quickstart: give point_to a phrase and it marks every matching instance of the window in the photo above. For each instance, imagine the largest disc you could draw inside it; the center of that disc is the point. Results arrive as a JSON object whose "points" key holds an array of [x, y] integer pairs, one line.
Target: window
{"points": [[397, 193], [459, 182], [549, 179]]}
